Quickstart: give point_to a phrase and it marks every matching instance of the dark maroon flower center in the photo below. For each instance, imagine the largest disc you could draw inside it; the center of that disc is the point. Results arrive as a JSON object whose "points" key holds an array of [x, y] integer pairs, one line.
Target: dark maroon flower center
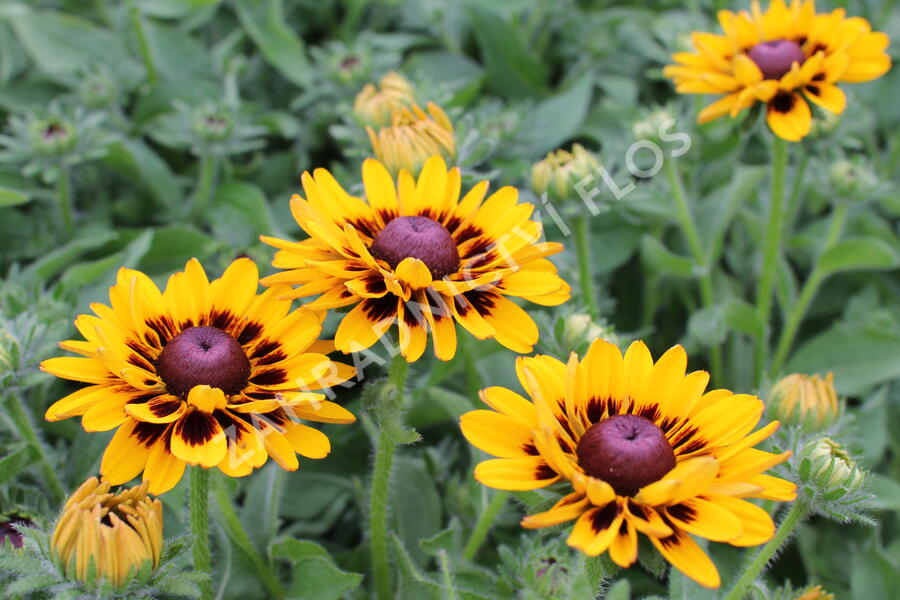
{"points": [[417, 237], [626, 451], [776, 58], [203, 356]]}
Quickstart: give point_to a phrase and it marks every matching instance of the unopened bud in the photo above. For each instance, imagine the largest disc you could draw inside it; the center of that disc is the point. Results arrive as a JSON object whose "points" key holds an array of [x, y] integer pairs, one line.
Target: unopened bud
{"points": [[808, 401], [830, 467]]}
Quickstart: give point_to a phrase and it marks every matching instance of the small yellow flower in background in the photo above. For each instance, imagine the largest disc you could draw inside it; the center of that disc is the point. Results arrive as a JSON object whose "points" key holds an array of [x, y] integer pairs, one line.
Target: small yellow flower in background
{"points": [[415, 254], [781, 57], [374, 105], [560, 170], [807, 400], [643, 449], [412, 136], [815, 593], [117, 533], [203, 373]]}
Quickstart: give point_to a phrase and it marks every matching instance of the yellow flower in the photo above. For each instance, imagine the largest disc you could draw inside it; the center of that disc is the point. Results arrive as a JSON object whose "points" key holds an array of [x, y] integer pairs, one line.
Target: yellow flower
{"points": [[800, 399], [779, 57], [560, 170], [374, 105], [641, 447], [116, 533], [415, 254], [204, 373], [412, 137]]}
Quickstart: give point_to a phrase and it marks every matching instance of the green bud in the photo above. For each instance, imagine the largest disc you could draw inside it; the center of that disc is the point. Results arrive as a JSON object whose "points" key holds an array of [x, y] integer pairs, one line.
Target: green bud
{"points": [[52, 136], [852, 180], [579, 329], [831, 468], [560, 170], [650, 126], [97, 90], [808, 401], [213, 125]]}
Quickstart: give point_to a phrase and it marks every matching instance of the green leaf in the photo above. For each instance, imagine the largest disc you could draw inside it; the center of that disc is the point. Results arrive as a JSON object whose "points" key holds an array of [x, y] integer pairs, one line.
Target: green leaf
{"points": [[621, 590], [173, 246], [886, 491], [659, 258], [855, 254], [416, 505], [860, 358], [741, 316], [512, 70], [241, 214], [264, 22], [724, 204], [134, 159], [557, 119], [316, 576], [57, 260], [173, 9], [872, 575], [63, 44], [10, 197], [14, 462]]}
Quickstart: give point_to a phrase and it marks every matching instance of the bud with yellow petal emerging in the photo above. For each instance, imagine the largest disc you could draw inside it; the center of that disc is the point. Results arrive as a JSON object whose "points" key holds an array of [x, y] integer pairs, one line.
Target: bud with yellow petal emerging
{"points": [[806, 400], [827, 464], [118, 533], [374, 105], [560, 170], [412, 137], [815, 593]]}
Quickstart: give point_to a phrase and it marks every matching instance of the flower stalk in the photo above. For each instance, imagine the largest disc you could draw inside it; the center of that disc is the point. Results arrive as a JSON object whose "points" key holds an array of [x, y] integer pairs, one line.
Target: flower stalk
{"points": [[483, 526], [581, 230], [199, 507], [26, 429]]}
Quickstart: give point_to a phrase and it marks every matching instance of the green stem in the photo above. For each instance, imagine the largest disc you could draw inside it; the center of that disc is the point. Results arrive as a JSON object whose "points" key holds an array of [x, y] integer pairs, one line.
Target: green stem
{"points": [[239, 536], [794, 517], [199, 501], [379, 497], [483, 526], [137, 26], [206, 182], [25, 426], [689, 229], [772, 249], [581, 230], [64, 198], [810, 288], [449, 589], [794, 200]]}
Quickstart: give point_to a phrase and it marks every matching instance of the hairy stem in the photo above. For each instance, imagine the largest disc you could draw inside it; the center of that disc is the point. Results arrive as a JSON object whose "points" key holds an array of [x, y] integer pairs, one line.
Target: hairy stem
{"points": [[199, 506], [140, 35], [483, 526], [771, 251], [22, 419], [581, 230], [759, 561]]}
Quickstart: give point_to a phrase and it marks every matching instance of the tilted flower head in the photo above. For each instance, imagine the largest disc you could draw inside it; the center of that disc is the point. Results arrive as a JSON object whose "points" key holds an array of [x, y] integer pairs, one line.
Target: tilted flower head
{"points": [[116, 533], [374, 105], [779, 57], [413, 136], [810, 401], [415, 254], [643, 448], [204, 373]]}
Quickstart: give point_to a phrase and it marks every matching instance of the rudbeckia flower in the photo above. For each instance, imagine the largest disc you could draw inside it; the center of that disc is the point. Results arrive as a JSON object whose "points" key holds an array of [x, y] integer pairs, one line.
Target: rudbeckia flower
{"points": [[414, 254], [374, 105], [782, 57], [203, 373], [641, 448]]}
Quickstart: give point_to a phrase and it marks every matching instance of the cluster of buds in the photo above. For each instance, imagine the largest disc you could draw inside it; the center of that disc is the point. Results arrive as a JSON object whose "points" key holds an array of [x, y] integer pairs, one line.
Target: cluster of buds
{"points": [[375, 105], [560, 170], [412, 137], [809, 401], [107, 536], [827, 464]]}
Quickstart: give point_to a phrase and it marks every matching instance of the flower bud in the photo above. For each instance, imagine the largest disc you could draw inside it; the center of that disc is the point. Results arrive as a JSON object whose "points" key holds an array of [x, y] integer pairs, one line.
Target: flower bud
{"points": [[53, 136], [97, 90], [830, 467], [649, 127], [559, 171], [9, 530], [579, 329], [808, 401], [413, 137], [213, 125], [374, 106], [118, 534], [815, 593], [851, 180]]}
